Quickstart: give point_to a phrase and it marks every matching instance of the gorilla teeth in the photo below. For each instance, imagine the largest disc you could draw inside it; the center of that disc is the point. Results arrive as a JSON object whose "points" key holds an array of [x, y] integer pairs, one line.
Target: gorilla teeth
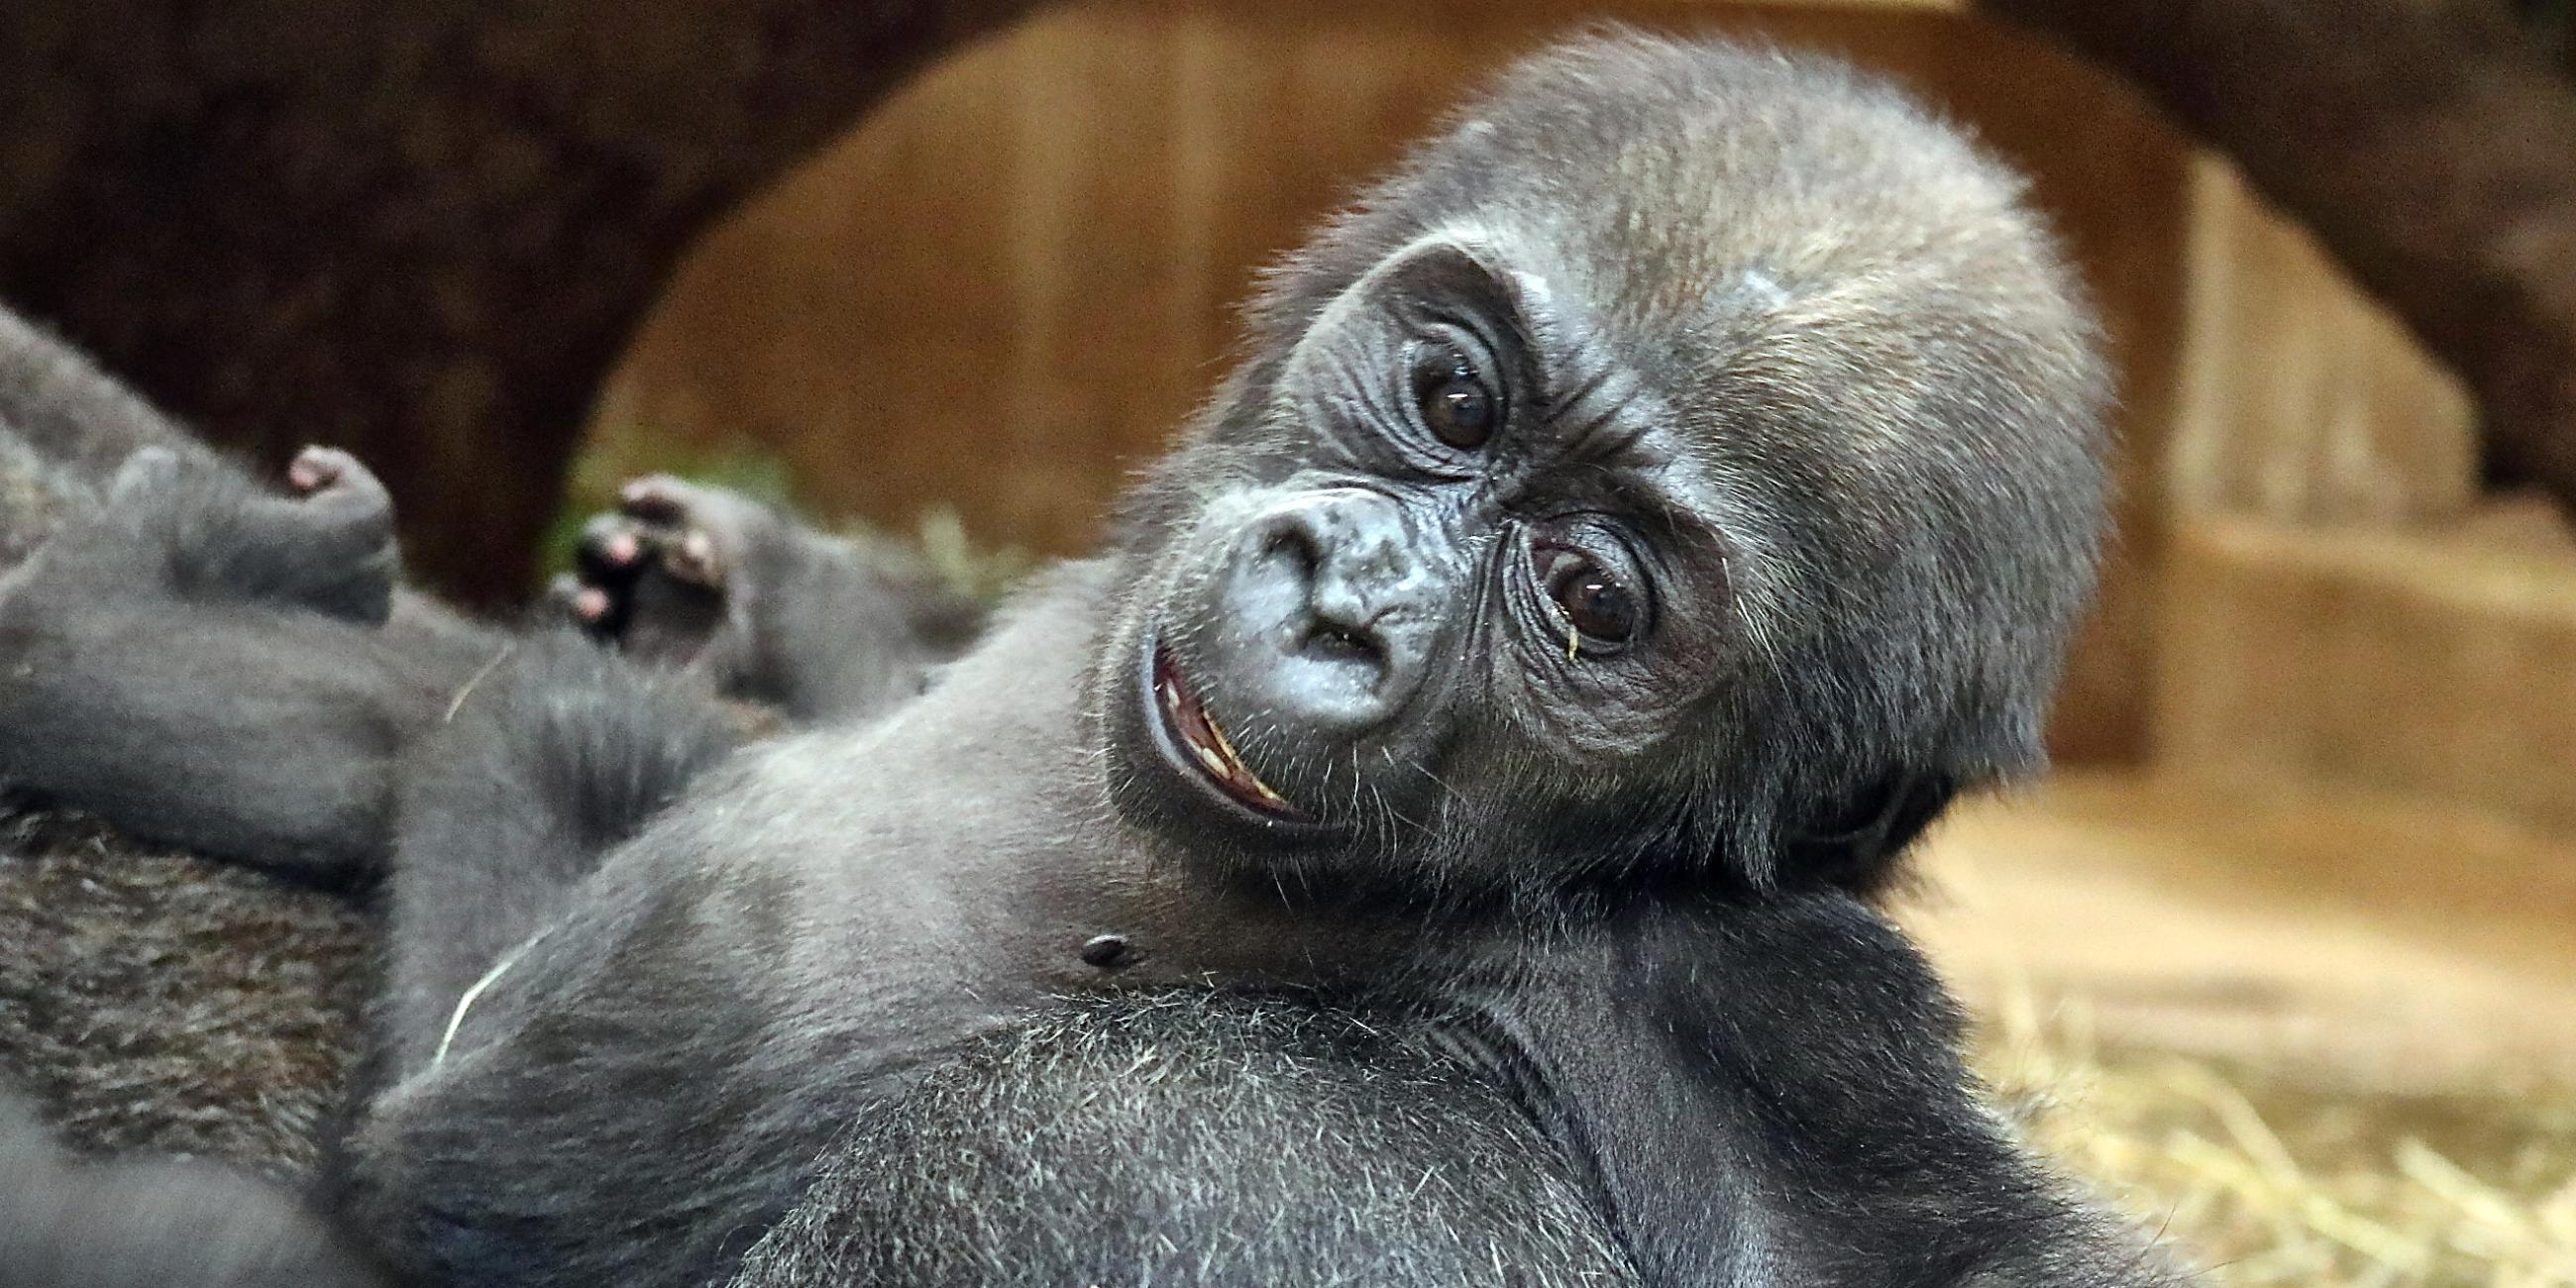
{"points": [[1215, 762], [1195, 730], [1227, 761]]}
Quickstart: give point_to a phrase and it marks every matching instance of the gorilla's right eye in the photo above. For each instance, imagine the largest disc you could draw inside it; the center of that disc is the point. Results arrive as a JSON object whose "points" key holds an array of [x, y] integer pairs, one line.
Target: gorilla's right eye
{"points": [[1457, 406]]}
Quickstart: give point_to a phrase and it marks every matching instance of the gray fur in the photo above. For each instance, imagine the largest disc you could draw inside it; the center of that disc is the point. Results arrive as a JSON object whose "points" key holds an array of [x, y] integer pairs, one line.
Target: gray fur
{"points": [[1839, 309], [155, 1002], [32, 497], [1792, 369], [1194, 1140]]}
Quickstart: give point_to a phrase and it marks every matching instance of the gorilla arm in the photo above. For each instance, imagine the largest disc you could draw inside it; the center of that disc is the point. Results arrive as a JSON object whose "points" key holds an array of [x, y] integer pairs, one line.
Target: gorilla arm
{"points": [[1774, 1093]]}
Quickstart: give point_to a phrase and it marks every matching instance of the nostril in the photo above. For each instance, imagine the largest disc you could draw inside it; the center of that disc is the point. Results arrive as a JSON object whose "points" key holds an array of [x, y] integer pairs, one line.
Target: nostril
{"points": [[1293, 543]]}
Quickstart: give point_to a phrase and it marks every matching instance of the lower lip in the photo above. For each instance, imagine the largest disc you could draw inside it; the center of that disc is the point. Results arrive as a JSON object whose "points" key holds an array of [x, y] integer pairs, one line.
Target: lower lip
{"points": [[1162, 675]]}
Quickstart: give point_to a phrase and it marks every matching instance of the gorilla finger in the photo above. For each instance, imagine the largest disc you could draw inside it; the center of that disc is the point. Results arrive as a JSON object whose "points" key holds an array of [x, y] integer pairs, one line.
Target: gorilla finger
{"points": [[694, 559], [612, 550], [586, 605]]}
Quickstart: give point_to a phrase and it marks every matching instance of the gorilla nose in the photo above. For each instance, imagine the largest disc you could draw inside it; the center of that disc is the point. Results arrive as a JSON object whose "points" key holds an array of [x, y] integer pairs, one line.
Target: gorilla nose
{"points": [[1330, 608]]}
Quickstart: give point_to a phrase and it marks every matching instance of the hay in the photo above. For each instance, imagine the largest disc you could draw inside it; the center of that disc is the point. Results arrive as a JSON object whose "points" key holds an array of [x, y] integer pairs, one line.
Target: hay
{"points": [[2267, 1182]]}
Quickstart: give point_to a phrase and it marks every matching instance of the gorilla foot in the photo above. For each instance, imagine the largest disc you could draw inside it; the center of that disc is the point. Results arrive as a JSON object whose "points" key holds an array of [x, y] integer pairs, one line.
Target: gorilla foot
{"points": [[335, 537], [327, 546]]}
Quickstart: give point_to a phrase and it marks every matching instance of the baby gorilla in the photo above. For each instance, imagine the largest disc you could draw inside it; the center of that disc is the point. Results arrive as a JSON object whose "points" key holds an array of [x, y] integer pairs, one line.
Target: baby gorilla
{"points": [[1634, 522]]}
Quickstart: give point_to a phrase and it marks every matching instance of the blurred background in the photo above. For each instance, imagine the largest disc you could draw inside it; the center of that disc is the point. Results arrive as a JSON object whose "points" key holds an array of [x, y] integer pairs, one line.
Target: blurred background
{"points": [[2286, 949]]}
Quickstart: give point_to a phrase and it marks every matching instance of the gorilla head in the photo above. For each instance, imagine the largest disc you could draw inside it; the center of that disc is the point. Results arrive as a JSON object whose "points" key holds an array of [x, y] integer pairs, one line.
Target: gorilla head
{"points": [[1694, 455]]}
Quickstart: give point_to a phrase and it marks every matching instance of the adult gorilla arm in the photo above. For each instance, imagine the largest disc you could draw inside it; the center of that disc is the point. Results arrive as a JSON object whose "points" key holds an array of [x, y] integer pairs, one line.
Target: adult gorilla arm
{"points": [[1812, 1124], [1816, 1123], [1195, 1139], [72, 416]]}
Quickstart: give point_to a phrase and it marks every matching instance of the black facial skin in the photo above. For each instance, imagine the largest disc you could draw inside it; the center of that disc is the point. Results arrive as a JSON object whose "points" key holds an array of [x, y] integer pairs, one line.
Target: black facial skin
{"points": [[1631, 526]]}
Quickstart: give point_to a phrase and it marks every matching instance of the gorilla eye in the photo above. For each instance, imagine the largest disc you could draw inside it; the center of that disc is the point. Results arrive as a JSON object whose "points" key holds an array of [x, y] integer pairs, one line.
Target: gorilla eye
{"points": [[1456, 405], [1592, 602]]}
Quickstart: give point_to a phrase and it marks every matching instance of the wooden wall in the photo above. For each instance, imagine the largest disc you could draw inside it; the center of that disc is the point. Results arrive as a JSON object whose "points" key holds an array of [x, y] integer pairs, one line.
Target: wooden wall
{"points": [[1014, 280]]}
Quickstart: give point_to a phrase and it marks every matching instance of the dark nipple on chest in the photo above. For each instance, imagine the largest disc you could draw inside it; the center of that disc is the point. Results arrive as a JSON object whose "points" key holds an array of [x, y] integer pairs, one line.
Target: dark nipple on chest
{"points": [[1108, 952]]}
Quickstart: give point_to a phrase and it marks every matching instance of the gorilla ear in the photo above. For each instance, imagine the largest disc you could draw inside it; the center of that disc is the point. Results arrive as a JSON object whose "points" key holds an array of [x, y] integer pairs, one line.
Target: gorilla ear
{"points": [[1857, 847]]}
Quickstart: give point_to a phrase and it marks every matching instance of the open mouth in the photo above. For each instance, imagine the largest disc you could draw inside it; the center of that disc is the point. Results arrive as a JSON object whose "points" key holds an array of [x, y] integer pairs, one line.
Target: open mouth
{"points": [[1194, 736]]}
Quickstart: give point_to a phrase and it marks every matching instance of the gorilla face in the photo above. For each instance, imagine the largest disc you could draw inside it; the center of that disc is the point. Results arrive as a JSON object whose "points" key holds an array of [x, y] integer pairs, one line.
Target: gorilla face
{"points": [[1452, 549], [1615, 484]]}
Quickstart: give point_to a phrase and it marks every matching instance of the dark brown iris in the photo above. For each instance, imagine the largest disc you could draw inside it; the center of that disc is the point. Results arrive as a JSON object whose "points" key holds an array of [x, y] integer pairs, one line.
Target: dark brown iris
{"points": [[1457, 407], [1593, 602]]}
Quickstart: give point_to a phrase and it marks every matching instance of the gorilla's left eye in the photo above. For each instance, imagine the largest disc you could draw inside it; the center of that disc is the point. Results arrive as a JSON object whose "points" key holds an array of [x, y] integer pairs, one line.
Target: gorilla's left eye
{"points": [[1591, 600], [1456, 404]]}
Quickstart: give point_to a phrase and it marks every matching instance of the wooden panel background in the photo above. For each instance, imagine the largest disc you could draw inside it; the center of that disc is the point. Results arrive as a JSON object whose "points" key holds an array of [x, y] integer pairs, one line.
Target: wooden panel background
{"points": [[2305, 401], [1014, 280]]}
